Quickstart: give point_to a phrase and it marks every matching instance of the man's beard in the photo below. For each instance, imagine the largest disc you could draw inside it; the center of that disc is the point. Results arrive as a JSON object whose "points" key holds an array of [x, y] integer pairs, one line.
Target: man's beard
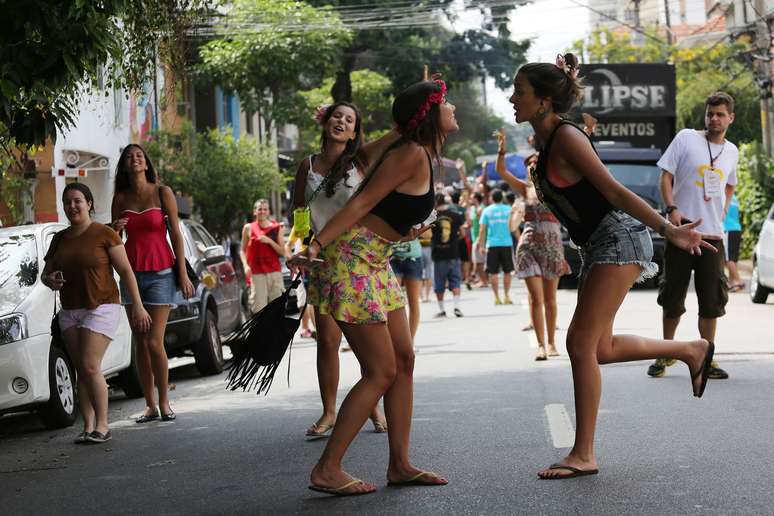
{"points": [[714, 131]]}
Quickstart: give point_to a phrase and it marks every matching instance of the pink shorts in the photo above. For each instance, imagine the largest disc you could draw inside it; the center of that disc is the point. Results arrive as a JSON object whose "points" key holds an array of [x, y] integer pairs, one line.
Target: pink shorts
{"points": [[103, 319]]}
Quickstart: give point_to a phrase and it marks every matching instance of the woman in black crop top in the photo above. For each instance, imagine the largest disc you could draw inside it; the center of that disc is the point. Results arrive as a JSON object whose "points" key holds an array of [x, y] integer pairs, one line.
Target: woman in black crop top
{"points": [[603, 217], [396, 197]]}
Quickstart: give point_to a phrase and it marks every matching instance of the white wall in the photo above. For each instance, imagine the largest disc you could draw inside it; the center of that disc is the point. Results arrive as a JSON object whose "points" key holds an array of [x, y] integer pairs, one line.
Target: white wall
{"points": [[102, 128]]}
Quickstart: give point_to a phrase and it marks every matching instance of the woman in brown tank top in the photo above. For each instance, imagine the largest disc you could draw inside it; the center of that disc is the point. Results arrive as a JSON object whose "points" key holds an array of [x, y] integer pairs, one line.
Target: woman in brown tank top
{"points": [[542, 92]]}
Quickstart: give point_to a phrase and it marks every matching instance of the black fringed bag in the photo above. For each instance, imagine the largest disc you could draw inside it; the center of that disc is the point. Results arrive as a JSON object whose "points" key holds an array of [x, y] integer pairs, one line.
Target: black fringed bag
{"points": [[261, 342]]}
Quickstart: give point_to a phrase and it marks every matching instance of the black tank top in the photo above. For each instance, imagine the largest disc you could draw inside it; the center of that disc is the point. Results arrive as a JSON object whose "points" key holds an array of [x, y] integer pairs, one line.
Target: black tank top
{"points": [[579, 207], [401, 211]]}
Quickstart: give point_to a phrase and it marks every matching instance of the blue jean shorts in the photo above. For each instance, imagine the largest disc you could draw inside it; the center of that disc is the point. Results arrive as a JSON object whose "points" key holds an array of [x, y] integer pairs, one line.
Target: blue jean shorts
{"points": [[156, 288], [619, 239], [447, 274], [408, 268]]}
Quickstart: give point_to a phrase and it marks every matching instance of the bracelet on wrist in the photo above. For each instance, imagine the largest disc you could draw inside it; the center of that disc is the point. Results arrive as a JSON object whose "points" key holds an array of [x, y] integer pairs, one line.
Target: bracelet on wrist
{"points": [[662, 229]]}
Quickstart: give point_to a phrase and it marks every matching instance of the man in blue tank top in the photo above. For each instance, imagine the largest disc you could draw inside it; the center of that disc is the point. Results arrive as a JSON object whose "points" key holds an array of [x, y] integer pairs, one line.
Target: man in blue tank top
{"points": [[495, 234]]}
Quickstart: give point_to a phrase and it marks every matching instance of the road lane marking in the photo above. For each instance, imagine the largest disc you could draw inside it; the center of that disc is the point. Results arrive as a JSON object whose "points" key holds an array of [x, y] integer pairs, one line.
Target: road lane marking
{"points": [[562, 431]]}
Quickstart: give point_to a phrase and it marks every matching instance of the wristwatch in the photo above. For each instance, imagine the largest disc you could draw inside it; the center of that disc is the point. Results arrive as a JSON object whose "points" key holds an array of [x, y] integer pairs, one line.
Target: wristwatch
{"points": [[670, 208]]}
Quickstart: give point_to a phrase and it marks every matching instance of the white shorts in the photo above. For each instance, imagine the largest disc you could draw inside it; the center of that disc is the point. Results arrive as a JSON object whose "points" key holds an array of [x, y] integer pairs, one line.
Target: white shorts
{"points": [[103, 319]]}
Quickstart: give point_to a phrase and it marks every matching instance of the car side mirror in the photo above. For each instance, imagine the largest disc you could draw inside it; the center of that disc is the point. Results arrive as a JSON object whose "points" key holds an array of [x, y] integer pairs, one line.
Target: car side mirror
{"points": [[213, 253]]}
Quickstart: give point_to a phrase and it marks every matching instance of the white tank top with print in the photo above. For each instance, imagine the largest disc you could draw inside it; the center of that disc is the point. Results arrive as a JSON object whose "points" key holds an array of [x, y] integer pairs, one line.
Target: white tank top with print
{"points": [[323, 208]]}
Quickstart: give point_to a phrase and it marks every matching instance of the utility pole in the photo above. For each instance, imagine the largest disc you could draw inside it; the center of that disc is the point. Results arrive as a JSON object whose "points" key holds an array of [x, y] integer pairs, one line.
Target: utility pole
{"points": [[667, 22], [637, 37], [764, 41]]}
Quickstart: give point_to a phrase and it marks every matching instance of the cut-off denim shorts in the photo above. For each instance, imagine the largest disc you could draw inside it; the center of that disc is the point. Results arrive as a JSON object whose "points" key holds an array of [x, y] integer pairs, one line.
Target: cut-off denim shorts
{"points": [[156, 288], [619, 239]]}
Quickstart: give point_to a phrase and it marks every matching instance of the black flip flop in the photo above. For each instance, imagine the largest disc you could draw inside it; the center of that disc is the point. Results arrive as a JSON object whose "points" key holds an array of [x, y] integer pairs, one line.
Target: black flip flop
{"points": [[574, 472], [146, 418], [706, 366]]}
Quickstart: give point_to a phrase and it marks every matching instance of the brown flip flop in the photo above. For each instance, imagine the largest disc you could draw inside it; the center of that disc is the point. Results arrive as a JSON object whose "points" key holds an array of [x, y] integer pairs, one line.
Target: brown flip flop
{"points": [[574, 472], [316, 430]]}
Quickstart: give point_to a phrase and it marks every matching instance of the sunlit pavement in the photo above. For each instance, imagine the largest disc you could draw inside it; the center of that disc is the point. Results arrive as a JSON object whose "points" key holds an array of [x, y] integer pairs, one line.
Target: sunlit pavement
{"points": [[486, 415]]}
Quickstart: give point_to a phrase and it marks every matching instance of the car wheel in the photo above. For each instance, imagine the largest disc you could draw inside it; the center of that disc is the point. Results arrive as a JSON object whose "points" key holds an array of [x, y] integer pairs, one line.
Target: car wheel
{"points": [[60, 409], [758, 293], [208, 350], [129, 378]]}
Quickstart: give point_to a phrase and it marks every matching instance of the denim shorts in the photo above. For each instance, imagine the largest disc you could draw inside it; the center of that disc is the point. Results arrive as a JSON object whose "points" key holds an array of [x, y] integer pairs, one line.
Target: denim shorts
{"points": [[619, 239], [447, 273], [408, 268], [156, 288]]}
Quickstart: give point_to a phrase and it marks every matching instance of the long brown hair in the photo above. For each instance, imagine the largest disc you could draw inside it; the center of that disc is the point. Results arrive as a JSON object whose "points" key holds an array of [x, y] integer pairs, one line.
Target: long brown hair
{"points": [[351, 155], [550, 81], [122, 170], [426, 133]]}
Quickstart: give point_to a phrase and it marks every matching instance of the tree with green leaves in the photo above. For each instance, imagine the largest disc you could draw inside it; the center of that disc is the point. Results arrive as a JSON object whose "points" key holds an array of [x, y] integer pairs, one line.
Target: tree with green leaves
{"points": [[398, 48], [223, 175], [51, 50], [266, 62], [700, 71]]}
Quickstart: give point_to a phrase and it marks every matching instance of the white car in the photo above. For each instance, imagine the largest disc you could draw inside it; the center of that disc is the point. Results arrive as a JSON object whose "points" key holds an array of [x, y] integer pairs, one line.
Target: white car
{"points": [[762, 281], [35, 369]]}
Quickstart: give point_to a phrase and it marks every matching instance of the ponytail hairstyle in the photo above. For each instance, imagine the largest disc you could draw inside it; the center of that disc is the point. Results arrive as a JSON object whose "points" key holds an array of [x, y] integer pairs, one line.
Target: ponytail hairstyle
{"points": [[417, 115], [351, 155], [558, 81], [122, 169]]}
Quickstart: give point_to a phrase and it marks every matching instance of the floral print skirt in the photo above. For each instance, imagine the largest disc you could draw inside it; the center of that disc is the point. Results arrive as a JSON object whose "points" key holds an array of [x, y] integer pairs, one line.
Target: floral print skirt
{"points": [[356, 284], [540, 251]]}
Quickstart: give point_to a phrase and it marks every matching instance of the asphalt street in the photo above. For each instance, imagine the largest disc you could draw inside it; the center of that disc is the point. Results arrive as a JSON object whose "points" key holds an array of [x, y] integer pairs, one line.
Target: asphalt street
{"points": [[486, 415]]}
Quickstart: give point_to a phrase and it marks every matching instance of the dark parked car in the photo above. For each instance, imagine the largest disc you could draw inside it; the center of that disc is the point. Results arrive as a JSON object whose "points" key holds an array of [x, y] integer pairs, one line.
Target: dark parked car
{"points": [[636, 169], [195, 326]]}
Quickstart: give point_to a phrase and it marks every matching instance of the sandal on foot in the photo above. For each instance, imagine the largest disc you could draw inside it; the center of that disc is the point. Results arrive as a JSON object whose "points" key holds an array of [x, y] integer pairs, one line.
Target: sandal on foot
{"points": [[552, 352], [574, 472], [541, 355], [418, 480], [341, 491], [99, 437], [706, 367], [169, 416], [145, 418], [318, 430], [81, 439], [380, 427]]}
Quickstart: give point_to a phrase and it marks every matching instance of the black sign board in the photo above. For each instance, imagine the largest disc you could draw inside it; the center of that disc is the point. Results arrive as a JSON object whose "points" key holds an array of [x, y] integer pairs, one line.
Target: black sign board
{"points": [[633, 103]]}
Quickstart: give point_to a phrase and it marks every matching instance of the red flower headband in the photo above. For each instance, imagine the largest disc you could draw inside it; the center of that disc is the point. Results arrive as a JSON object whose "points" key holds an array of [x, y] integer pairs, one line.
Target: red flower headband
{"points": [[437, 97]]}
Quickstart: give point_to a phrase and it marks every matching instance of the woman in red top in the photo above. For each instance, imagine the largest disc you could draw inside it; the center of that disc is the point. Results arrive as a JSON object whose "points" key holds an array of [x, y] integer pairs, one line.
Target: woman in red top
{"points": [[140, 206], [262, 245]]}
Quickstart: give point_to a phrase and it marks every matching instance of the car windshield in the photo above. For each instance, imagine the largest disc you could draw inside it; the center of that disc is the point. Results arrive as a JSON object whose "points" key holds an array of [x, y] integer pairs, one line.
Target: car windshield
{"points": [[640, 178], [18, 266]]}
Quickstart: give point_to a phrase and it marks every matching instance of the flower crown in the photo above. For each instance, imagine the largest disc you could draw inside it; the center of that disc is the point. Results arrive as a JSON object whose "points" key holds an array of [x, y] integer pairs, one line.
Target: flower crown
{"points": [[571, 71], [437, 97]]}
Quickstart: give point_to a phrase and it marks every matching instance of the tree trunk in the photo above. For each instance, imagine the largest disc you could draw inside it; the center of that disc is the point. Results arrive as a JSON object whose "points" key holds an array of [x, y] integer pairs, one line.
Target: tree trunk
{"points": [[342, 88]]}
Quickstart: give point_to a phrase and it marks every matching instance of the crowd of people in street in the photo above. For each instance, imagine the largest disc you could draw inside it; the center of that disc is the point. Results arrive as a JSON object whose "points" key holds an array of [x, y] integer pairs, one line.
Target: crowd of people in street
{"points": [[373, 231]]}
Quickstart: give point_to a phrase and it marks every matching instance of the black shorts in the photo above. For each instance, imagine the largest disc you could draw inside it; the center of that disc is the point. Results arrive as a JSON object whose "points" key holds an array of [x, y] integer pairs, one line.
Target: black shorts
{"points": [[709, 280], [499, 258], [734, 240], [464, 254]]}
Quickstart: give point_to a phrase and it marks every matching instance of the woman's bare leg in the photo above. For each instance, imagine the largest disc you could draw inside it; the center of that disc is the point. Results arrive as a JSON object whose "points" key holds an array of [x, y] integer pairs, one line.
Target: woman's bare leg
{"points": [[412, 294], [328, 341], [399, 403], [74, 349], [144, 368], [373, 348], [549, 303], [94, 347], [590, 342], [535, 296]]}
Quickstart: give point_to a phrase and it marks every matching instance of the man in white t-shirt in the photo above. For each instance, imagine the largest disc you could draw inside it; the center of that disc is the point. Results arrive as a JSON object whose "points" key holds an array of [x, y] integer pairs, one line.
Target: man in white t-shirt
{"points": [[698, 174]]}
